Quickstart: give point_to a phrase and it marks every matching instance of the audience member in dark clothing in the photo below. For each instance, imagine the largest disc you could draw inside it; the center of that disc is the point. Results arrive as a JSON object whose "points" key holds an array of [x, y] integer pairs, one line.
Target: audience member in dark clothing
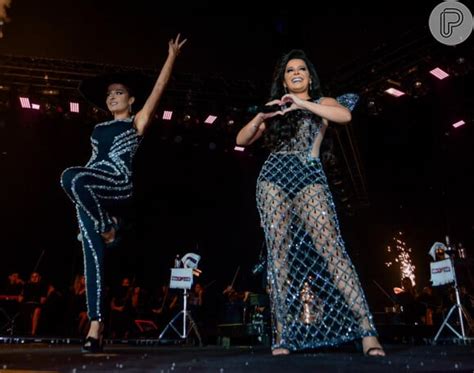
{"points": [[411, 310], [32, 299], [121, 310]]}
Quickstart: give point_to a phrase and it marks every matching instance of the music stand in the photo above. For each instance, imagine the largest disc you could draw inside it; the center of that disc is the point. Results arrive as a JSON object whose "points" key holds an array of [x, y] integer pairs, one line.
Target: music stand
{"points": [[9, 325], [443, 272], [10, 311], [182, 278]]}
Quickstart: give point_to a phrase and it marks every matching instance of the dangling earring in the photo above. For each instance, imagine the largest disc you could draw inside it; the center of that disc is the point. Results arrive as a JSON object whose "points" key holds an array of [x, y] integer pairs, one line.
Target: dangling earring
{"points": [[130, 109], [285, 89]]}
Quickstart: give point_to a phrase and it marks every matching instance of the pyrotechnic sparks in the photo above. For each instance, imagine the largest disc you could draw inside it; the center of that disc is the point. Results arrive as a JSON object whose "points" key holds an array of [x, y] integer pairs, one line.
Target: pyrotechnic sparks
{"points": [[402, 258]]}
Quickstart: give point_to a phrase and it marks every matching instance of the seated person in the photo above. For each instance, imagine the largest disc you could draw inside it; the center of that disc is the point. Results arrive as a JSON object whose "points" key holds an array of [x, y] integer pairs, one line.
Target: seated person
{"points": [[77, 307], [164, 304], [53, 312], [430, 304], [406, 298], [13, 288], [195, 301], [121, 310], [234, 305], [10, 300], [32, 299]]}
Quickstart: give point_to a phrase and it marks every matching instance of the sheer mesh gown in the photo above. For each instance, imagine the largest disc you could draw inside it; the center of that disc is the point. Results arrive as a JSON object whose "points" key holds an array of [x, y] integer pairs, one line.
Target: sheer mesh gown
{"points": [[316, 296]]}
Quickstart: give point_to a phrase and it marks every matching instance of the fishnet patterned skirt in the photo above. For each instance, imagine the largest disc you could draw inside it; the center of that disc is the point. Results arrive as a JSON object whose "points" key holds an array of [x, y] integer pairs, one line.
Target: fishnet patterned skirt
{"points": [[316, 297]]}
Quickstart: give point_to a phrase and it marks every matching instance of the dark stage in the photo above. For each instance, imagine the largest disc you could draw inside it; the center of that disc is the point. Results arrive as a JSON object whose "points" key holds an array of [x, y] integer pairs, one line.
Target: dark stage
{"points": [[126, 358]]}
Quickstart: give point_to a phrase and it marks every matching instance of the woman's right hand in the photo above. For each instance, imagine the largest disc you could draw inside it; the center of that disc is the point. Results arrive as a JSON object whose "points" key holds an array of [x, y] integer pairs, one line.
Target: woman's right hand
{"points": [[174, 46], [254, 129], [272, 114]]}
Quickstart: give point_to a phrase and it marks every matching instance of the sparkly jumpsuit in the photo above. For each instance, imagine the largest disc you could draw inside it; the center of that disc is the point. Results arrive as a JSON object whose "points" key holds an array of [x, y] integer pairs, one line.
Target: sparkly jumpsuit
{"points": [[99, 188], [316, 297]]}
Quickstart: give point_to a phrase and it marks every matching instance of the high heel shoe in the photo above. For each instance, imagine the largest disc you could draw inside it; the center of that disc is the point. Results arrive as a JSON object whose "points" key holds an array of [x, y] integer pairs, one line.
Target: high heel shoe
{"points": [[280, 351], [118, 227], [375, 350], [93, 345]]}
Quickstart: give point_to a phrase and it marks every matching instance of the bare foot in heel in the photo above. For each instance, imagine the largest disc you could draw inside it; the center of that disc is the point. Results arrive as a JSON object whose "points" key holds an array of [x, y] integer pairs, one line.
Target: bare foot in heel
{"points": [[94, 342], [280, 351], [372, 347], [108, 236]]}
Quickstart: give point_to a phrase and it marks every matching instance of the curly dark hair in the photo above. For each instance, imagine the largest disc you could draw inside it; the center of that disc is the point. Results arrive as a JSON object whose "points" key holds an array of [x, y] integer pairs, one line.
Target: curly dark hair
{"points": [[281, 129]]}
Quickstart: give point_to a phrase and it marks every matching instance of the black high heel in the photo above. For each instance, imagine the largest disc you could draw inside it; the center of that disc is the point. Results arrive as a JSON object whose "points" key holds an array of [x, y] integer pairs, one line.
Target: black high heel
{"points": [[118, 227], [93, 345]]}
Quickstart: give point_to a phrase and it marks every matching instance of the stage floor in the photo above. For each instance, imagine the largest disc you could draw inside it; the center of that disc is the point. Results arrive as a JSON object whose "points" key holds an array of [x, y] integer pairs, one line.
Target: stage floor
{"points": [[126, 358]]}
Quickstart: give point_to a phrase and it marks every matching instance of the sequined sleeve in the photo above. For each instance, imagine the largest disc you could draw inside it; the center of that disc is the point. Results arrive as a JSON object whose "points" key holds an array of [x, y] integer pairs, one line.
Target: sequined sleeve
{"points": [[94, 152], [349, 100]]}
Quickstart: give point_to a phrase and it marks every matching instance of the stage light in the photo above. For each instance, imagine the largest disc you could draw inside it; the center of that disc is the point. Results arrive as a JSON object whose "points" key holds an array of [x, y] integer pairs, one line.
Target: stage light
{"points": [[210, 119], [50, 92], [418, 88], [74, 107], [394, 92], [239, 148], [35, 106], [25, 102], [459, 124], [167, 114], [439, 73]]}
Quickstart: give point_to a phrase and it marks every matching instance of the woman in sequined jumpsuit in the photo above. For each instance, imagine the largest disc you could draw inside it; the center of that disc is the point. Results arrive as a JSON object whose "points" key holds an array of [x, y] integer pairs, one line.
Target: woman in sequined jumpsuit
{"points": [[316, 297], [105, 182]]}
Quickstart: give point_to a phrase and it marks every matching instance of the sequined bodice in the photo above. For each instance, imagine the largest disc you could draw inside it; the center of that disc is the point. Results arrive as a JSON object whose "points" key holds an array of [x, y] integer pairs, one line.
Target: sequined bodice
{"points": [[309, 126], [114, 144]]}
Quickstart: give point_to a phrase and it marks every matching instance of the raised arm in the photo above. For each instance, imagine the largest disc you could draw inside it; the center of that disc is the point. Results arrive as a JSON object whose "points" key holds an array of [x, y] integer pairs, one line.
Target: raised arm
{"points": [[145, 115]]}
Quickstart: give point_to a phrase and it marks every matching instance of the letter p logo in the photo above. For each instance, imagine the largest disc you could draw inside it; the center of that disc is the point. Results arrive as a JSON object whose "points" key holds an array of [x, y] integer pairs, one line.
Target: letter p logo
{"points": [[451, 22], [450, 18]]}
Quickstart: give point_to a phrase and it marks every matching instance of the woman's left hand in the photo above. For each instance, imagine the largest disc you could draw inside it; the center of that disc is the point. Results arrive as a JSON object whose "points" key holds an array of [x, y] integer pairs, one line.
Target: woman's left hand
{"points": [[174, 46]]}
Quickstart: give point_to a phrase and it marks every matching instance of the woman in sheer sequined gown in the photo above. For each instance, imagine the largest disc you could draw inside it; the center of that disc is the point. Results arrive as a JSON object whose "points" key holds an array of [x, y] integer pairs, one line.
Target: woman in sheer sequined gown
{"points": [[104, 184], [316, 297]]}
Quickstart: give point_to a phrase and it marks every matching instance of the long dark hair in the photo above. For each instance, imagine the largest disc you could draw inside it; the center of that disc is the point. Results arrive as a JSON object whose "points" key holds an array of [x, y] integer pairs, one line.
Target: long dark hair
{"points": [[280, 129]]}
